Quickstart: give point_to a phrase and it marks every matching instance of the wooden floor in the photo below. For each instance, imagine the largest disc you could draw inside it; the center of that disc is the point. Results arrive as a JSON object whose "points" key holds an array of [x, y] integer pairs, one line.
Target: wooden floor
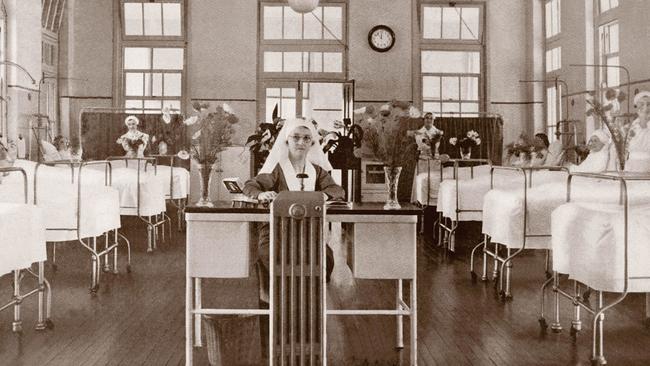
{"points": [[138, 318]]}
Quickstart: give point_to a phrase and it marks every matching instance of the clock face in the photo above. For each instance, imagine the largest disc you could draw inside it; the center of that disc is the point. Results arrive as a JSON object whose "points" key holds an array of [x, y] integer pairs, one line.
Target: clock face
{"points": [[381, 38]]}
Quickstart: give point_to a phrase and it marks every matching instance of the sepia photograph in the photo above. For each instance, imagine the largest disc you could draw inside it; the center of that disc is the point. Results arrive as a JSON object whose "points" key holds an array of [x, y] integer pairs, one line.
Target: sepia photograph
{"points": [[324, 182]]}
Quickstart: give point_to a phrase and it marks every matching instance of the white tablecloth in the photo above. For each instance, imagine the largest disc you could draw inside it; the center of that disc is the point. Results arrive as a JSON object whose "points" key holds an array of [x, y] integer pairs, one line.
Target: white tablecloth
{"points": [[588, 244], [22, 236]]}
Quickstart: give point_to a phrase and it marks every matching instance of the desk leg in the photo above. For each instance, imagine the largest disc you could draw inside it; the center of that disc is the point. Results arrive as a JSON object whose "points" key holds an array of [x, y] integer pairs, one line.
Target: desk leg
{"points": [[400, 318], [188, 320], [197, 317], [414, 321]]}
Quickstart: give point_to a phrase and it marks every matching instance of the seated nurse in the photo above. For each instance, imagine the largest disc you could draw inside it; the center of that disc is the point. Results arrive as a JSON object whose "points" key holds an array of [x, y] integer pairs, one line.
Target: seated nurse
{"points": [[295, 163], [638, 144]]}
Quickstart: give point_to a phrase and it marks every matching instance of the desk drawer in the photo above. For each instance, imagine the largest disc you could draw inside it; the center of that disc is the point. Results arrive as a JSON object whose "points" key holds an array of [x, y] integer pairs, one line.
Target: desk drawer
{"points": [[382, 250], [218, 249]]}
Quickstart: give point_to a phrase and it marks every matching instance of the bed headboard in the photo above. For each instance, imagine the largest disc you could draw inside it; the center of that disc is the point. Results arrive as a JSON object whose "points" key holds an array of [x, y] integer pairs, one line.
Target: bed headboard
{"points": [[490, 130], [99, 131]]}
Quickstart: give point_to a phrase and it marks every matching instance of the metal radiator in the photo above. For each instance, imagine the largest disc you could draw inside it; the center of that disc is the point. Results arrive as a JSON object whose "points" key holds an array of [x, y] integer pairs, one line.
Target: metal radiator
{"points": [[298, 297]]}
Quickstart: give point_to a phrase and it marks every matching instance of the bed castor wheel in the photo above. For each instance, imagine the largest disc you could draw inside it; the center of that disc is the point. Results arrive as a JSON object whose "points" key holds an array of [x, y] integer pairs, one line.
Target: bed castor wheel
{"points": [[598, 361], [106, 269], [474, 277], [49, 324], [543, 325], [94, 289], [17, 327], [573, 332], [128, 268], [556, 327]]}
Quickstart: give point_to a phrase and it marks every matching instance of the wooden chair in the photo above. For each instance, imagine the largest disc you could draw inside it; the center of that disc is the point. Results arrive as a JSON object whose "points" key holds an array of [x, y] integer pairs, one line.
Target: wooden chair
{"points": [[297, 291]]}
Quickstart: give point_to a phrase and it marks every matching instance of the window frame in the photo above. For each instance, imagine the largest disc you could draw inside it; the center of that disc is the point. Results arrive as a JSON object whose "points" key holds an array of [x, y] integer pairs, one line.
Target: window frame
{"points": [[604, 55], [482, 20], [600, 6], [553, 36], [143, 37], [459, 45]]}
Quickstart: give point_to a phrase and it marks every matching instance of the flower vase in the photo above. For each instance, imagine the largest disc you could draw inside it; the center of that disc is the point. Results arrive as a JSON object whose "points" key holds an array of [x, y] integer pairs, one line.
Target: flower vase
{"points": [[466, 153], [162, 148], [205, 172], [392, 179]]}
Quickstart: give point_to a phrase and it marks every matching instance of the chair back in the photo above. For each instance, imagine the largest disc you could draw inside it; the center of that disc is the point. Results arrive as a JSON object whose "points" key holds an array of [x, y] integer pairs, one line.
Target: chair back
{"points": [[298, 278]]}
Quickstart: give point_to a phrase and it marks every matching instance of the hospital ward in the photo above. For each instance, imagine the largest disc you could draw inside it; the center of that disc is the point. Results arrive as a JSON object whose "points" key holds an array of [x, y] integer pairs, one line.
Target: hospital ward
{"points": [[324, 182]]}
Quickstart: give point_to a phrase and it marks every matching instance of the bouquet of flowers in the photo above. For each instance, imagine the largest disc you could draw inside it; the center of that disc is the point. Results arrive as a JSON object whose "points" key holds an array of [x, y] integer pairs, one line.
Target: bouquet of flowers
{"points": [[212, 132], [609, 112], [385, 137], [341, 144], [466, 143]]}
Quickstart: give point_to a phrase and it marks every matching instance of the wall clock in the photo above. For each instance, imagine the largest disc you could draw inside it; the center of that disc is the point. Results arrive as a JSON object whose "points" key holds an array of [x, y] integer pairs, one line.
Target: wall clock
{"points": [[381, 38]]}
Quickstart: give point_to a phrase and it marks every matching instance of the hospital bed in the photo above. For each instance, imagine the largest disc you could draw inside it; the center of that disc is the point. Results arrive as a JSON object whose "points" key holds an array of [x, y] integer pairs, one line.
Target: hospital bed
{"points": [[22, 243], [452, 207], [142, 193], [78, 204], [602, 245], [178, 189]]}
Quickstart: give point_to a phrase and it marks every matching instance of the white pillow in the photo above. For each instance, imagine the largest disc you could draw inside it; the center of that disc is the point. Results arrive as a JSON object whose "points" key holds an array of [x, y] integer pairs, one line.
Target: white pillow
{"points": [[50, 153]]}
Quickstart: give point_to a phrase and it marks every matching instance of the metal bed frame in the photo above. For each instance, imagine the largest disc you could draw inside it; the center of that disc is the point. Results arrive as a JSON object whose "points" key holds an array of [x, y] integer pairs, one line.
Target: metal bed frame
{"points": [[179, 203], [44, 304], [91, 246], [598, 312], [503, 265], [449, 231], [153, 222]]}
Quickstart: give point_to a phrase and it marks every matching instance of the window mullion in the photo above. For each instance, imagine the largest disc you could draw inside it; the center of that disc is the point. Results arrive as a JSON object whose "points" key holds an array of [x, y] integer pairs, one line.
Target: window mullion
{"points": [[162, 21]]}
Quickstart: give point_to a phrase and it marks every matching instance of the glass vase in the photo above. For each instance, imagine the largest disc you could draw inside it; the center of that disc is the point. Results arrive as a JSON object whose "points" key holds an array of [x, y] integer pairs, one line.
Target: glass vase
{"points": [[466, 153], [391, 174], [205, 173]]}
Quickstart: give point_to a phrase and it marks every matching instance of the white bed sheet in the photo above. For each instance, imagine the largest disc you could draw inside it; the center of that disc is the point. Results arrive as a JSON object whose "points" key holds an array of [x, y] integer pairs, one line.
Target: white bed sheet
{"points": [[588, 244], [125, 180], [57, 197], [503, 209], [181, 185], [22, 238]]}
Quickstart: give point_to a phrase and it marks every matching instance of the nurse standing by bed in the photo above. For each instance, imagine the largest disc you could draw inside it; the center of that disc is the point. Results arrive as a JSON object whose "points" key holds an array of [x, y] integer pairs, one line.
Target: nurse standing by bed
{"points": [[133, 142]]}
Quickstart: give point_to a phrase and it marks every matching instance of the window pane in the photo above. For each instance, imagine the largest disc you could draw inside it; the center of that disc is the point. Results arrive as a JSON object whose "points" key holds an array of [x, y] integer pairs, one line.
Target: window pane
{"points": [[292, 61], [272, 92], [469, 107], [313, 28], [137, 58], [613, 38], [134, 82], [133, 104], [153, 104], [288, 92], [288, 108], [557, 58], [432, 22], [173, 105], [133, 19], [272, 22], [147, 84], [450, 88], [469, 26], [431, 87], [273, 61], [549, 19], [316, 61], [450, 23], [172, 19], [451, 107], [292, 24], [469, 88], [173, 85], [332, 62], [333, 19], [168, 58], [152, 19], [450, 62], [613, 73], [431, 107], [157, 85]]}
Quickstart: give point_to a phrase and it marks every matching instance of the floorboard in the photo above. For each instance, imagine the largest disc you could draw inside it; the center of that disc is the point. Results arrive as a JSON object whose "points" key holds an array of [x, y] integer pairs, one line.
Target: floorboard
{"points": [[138, 318]]}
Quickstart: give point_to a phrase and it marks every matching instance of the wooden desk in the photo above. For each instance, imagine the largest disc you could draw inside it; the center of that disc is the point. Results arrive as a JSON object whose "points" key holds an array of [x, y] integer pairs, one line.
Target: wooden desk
{"points": [[383, 247]]}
